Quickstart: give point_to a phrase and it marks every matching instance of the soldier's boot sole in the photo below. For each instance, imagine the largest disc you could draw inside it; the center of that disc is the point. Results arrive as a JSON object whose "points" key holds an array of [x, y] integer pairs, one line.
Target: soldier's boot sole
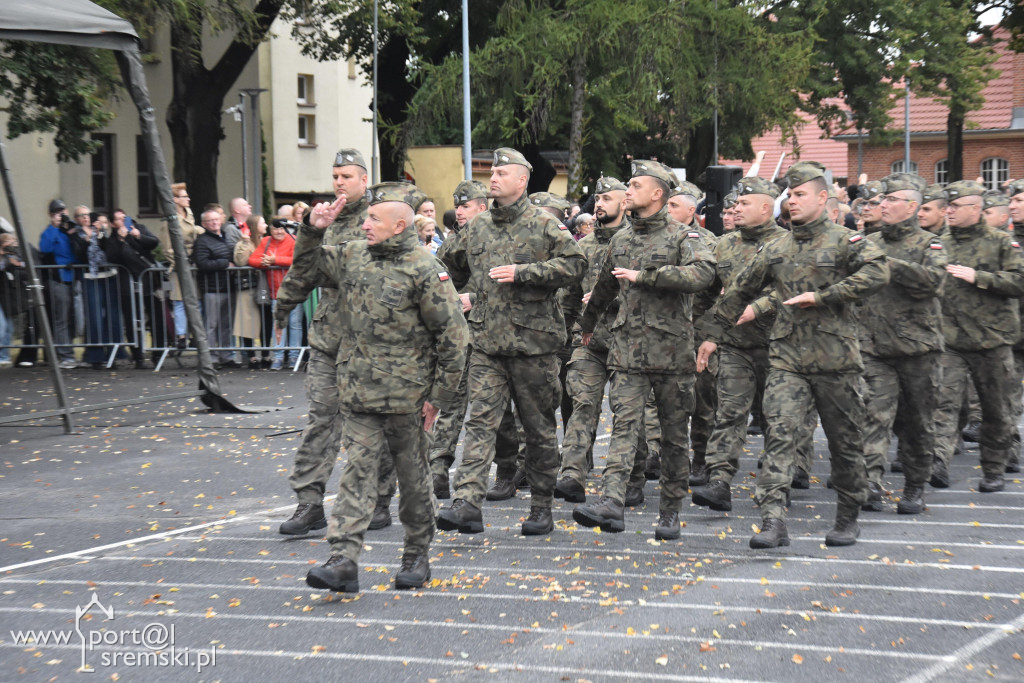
{"points": [[570, 491], [303, 529], [446, 522], [409, 580], [324, 579], [773, 535], [701, 496], [606, 523]]}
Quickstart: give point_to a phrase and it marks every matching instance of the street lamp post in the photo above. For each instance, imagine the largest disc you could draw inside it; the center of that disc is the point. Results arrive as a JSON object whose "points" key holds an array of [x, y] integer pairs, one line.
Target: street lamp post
{"points": [[255, 193]]}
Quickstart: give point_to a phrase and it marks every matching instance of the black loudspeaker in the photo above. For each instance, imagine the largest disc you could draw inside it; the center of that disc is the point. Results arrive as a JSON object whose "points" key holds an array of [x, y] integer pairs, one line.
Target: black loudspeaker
{"points": [[720, 180]]}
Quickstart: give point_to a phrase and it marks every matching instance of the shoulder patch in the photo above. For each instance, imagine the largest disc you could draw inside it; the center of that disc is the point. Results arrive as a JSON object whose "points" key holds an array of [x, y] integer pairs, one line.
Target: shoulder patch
{"points": [[936, 245], [856, 238], [1015, 244], [562, 227], [443, 276], [760, 248], [694, 235]]}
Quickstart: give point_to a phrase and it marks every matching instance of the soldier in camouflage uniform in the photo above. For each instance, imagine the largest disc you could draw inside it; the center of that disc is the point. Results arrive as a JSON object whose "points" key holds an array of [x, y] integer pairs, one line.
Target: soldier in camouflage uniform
{"points": [[742, 351], [980, 322], [931, 215], [652, 269], [996, 209], [901, 342], [318, 450], [1015, 192], [514, 258], [817, 271], [682, 207], [400, 362], [728, 213], [470, 199], [872, 212]]}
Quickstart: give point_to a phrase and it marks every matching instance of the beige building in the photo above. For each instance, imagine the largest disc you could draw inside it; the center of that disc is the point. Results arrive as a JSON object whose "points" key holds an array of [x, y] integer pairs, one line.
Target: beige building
{"points": [[333, 106]]}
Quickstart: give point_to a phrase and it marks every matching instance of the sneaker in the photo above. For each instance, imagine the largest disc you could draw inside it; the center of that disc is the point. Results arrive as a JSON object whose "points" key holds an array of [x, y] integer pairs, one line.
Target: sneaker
{"points": [[26, 364], [69, 364], [277, 365], [4, 364]]}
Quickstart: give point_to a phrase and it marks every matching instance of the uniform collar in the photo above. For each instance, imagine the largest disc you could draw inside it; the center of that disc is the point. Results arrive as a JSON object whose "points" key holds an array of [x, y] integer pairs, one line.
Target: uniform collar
{"points": [[758, 232], [897, 231], [654, 222], [806, 231], [604, 233], [403, 242], [960, 234], [873, 227], [510, 212]]}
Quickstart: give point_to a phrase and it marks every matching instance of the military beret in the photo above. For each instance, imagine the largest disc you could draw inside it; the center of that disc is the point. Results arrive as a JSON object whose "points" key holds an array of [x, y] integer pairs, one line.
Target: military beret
{"points": [[349, 157], [655, 169], [755, 185], [994, 198], [609, 184], [903, 181], [871, 189], [407, 193], [507, 155], [469, 189], [729, 200], [1015, 188], [932, 193], [804, 171], [687, 189], [964, 188], [549, 200], [57, 205]]}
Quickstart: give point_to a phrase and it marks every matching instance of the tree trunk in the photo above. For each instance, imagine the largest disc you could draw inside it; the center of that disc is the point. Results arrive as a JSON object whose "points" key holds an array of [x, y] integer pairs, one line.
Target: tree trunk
{"points": [[955, 144], [579, 85]]}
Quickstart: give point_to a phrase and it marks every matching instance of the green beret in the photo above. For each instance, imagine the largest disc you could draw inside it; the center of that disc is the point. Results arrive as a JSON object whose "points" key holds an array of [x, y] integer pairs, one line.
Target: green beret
{"points": [[507, 155], [994, 198], [729, 200], [655, 169], [903, 181], [932, 193], [756, 185], [469, 189], [349, 157], [804, 171], [1015, 188], [407, 193], [871, 189], [549, 200], [609, 184], [964, 188]]}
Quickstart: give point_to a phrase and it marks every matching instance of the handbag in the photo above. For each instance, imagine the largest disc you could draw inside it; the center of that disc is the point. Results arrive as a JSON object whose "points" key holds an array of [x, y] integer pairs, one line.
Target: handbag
{"points": [[261, 295]]}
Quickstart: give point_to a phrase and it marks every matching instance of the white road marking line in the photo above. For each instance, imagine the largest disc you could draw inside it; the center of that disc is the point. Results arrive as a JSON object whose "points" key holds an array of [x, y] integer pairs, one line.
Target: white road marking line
{"points": [[508, 628], [967, 651]]}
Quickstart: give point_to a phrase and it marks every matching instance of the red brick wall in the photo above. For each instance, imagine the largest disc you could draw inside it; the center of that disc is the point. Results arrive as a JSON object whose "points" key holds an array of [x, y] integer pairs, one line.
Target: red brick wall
{"points": [[878, 160]]}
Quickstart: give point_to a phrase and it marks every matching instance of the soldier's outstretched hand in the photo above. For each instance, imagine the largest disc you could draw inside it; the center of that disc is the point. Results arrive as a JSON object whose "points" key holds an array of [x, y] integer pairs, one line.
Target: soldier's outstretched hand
{"points": [[625, 274], [747, 316], [964, 273], [506, 274], [805, 300], [323, 214]]}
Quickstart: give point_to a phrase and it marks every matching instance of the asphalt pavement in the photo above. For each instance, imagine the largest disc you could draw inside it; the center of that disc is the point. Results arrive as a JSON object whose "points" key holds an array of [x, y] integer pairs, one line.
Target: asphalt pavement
{"points": [[145, 546]]}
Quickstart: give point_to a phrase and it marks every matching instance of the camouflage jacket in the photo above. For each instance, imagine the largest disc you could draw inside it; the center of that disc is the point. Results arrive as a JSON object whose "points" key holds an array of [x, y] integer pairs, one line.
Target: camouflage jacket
{"points": [[903, 318], [735, 250], [840, 267], [982, 315], [595, 247], [653, 329], [521, 318], [406, 338], [703, 301], [1018, 237], [325, 330]]}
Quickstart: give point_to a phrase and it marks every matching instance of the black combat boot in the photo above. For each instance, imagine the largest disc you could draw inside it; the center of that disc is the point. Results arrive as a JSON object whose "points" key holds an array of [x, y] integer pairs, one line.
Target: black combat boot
{"points": [[773, 534], [801, 479], [381, 515], [912, 501], [896, 466], [990, 483], [462, 516], [570, 490], [503, 488], [653, 470], [1013, 464], [668, 526], [717, 495], [441, 491], [539, 522], [307, 516], [415, 572], [698, 474], [521, 479], [940, 475], [845, 531], [606, 513], [634, 496], [972, 433], [876, 499], [337, 574]]}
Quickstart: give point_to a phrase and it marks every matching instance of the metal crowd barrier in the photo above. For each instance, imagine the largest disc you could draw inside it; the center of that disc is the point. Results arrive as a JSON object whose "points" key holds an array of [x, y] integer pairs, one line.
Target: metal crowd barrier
{"points": [[116, 311]]}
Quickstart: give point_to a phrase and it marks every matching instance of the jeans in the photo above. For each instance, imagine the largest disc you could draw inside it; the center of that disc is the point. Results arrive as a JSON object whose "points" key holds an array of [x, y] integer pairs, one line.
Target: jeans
{"points": [[5, 337], [102, 316], [290, 336]]}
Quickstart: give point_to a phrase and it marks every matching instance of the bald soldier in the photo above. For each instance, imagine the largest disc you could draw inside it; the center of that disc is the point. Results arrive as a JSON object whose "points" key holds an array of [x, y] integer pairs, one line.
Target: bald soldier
{"points": [[400, 363], [817, 270], [652, 269], [514, 258]]}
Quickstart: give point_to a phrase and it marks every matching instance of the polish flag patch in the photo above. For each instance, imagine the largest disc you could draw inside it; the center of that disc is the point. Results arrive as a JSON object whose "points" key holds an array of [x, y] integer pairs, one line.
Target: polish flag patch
{"points": [[1015, 244], [856, 238], [562, 227], [694, 235], [443, 276], [936, 245]]}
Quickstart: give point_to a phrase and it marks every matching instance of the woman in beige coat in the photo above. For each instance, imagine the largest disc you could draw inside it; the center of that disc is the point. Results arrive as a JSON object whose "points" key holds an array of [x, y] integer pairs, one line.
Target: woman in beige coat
{"points": [[189, 232], [250, 321]]}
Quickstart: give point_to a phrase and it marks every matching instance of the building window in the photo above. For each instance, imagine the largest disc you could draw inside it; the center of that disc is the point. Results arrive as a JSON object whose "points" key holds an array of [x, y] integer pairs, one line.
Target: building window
{"points": [[307, 129], [897, 167], [305, 91], [994, 172], [103, 174], [149, 204], [942, 172]]}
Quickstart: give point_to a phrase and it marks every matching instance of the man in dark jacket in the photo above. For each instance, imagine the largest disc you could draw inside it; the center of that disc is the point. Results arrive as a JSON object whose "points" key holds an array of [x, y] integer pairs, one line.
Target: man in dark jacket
{"points": [[213, 256]]}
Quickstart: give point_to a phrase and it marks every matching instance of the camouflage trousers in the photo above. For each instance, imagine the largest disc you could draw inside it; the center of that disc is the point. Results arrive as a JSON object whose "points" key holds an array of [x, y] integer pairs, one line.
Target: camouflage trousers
{"points": [[1018, 394], [788, 399], [741, 378], [909, 385], [532, 383], [585, 382], [444, 438], [321, 439], [673, 395], [702, 422], [652, 426], [993, 374], [367, 436]]}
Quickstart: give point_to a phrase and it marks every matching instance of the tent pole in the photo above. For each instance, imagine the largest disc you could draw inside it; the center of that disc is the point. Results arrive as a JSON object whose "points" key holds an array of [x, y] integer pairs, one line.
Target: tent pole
{"points": [[38, 303]]}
